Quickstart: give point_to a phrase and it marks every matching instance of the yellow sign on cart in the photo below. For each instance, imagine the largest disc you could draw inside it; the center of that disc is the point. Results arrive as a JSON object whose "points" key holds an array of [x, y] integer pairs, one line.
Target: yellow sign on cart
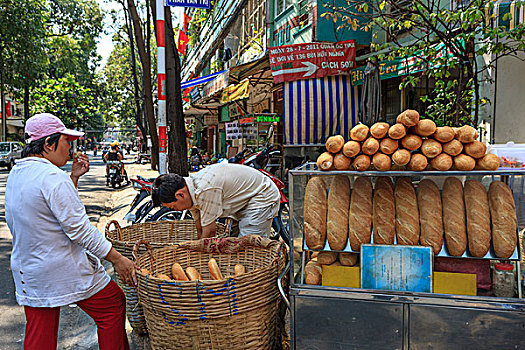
{"points": [[341, 276], [455, 283]]}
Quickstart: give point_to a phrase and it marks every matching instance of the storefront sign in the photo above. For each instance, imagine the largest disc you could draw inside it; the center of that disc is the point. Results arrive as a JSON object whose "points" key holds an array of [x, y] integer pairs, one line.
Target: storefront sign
{"points": [[217, 84], [313, 60], [235, 111], [236, 92], [260, 118], [402, 66], [195, 94], [203, 4], [212, 119], [233, 132]]}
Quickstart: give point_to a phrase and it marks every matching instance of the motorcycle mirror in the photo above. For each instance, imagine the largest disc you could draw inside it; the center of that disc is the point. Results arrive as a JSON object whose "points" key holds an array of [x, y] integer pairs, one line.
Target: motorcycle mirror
{"points": [[270, 133]]}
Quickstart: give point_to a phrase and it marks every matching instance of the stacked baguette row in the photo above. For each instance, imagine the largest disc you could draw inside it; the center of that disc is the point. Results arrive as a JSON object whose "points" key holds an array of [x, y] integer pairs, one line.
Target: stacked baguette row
{"points": [[412, 143], [192, 274], [461, 214], [313, 270]]}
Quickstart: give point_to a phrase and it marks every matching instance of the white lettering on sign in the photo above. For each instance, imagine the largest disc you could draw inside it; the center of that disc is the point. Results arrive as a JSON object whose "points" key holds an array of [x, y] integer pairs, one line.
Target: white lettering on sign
{"points": [[311, 60]]}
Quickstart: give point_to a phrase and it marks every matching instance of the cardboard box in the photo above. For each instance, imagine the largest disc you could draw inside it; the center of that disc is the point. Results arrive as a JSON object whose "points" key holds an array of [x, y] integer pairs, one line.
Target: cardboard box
{"points": [[341, 276], [455, 283]]}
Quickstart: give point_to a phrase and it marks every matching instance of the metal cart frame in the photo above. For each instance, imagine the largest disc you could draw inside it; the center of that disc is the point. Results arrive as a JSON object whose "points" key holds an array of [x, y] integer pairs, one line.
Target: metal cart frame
{"points": [[347, 318]]}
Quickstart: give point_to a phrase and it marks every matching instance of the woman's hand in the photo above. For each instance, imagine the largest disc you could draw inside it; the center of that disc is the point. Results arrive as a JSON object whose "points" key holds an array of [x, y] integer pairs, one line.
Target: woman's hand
{"points": [[123, 266], [80, 164]]}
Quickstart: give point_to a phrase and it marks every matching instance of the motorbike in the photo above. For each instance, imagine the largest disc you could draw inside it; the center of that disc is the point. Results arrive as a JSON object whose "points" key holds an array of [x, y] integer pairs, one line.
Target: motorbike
{"points": [[136, 211], [114, 176]]}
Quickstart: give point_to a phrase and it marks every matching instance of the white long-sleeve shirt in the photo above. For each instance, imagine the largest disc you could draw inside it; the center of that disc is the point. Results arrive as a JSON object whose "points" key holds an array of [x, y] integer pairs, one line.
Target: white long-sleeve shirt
{"points": [[56, 250]]}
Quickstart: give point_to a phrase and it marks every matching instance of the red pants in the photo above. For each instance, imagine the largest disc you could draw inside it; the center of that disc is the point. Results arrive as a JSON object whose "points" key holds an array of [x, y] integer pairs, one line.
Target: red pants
{"points": [[107, 308]]}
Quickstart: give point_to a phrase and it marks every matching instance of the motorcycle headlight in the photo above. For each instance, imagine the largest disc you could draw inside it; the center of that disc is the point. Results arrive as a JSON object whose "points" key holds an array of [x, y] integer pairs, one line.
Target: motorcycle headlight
{"points": [[136, 186]]}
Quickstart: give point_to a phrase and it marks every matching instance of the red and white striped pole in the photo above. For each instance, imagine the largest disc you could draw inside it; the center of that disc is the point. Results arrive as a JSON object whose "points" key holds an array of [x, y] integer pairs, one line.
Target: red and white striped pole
{"points": [[161, 76]]}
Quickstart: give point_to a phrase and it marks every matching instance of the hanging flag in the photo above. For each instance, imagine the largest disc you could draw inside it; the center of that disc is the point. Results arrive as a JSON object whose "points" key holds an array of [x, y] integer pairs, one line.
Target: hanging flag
{"points": [[183, 42], [187, 20]]}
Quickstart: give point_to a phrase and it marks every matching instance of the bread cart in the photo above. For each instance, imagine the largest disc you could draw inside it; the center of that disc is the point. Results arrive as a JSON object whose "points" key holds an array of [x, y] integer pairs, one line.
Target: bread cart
{"points": [[327, 317]]}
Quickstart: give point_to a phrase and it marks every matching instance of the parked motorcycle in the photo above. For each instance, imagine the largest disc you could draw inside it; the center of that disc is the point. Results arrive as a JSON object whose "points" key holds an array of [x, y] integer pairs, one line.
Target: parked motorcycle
{"points": [[114, 176], [136, 211]]}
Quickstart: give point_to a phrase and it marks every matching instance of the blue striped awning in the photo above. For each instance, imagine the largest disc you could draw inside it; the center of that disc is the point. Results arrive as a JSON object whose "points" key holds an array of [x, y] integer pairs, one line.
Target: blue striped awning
{"points": [[201, 80], [316, 109]]}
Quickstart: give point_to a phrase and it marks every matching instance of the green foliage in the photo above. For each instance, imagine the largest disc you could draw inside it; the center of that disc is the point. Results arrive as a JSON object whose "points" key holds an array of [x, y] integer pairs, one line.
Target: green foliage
{"points": [[417, 27], [67, 99]]}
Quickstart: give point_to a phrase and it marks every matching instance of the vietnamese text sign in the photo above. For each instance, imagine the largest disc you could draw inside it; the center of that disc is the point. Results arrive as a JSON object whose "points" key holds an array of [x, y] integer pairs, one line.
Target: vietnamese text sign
{"points": [[236, 92], [313, 60], [399, 268], [204, 4]]}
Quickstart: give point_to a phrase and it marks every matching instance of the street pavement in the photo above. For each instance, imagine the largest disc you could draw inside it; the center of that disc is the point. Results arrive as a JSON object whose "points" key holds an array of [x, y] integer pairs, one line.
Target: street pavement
{"points": [[77, 330]]}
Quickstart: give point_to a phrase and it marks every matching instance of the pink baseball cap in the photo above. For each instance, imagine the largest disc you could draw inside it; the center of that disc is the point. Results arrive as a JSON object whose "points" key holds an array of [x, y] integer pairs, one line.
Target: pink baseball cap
{"points": [[45, 124]]}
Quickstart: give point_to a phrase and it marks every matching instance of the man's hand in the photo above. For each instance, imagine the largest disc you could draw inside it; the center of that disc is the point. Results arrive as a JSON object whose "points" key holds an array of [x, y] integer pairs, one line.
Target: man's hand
{"points": [[80, 167], [123, 266]]}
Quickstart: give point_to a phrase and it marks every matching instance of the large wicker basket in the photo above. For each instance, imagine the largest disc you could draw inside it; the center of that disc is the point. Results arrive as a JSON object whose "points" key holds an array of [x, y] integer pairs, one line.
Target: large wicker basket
{"points": [[159, 234], [238, 313]]}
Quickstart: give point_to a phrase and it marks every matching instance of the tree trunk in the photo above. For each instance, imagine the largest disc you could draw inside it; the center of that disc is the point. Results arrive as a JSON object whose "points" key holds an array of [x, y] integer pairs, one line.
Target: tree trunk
{"points": [[26, 100], [139, 115], [177, 148], [148, 95], [2, 99]]}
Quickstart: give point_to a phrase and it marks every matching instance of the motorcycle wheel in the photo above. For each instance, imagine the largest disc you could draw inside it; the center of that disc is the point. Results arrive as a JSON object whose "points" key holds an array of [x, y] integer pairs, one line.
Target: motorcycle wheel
{"points": [[165, 214]]}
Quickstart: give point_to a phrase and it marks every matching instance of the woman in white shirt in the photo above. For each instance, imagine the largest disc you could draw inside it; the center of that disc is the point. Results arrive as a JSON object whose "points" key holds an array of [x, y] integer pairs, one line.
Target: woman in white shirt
{"points": [[56, 250]]}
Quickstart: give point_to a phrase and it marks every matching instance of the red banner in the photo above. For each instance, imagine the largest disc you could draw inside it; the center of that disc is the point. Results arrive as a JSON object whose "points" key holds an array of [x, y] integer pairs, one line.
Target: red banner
{"points": [[163, 140], [313, 60]]}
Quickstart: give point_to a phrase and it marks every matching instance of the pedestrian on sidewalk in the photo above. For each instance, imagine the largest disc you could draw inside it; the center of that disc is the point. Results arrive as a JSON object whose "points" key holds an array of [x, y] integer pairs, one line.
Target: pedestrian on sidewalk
{"points": [[56, 250], [222, 190]]}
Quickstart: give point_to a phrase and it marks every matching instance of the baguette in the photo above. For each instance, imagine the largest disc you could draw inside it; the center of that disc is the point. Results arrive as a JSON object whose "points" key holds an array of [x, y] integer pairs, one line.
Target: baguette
{"points": [[315, 211], [384, 211], [348, 259], [193, 274], [430, 215], [379, 130], [478, 218], [215, 272], [454, 216], [504, 220], [163, 277], [334, 143], [360, 217], [407, 212], [178, 272], [239, 269], [326, 258], [325, 161], [337, 217], [313, 273]]}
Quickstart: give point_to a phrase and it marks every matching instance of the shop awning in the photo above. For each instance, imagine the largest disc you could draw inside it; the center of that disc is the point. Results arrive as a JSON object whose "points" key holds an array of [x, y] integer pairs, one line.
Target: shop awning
{"points": [[201, 80], [315, 109]]}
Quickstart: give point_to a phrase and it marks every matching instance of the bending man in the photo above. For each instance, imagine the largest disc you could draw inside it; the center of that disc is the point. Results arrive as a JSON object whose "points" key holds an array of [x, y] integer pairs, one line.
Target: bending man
{"points": [[222, 190]]}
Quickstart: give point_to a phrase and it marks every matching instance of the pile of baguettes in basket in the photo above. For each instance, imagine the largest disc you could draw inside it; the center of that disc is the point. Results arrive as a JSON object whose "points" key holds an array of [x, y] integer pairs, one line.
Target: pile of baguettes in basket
{"points": [[192, 274], [461, 214], [412, 143]]}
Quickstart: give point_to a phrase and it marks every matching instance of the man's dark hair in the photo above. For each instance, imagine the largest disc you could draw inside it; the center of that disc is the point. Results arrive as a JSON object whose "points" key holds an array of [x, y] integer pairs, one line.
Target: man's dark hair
{"points": [[164, 188], [37, 146], [114, 147]]}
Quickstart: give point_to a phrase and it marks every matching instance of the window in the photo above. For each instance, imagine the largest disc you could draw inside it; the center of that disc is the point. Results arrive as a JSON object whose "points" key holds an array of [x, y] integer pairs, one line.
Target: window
{"points": [[304, 12], [281, 5], [458, 4]]}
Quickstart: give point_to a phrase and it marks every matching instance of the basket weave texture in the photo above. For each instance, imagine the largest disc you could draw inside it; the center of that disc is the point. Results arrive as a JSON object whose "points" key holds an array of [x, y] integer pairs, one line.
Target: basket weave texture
{"points": [[159, 234], [238, 313]]}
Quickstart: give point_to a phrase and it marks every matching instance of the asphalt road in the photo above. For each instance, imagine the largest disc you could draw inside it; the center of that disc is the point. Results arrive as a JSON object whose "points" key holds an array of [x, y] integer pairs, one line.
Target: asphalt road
{"points": [[77, 331]]}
